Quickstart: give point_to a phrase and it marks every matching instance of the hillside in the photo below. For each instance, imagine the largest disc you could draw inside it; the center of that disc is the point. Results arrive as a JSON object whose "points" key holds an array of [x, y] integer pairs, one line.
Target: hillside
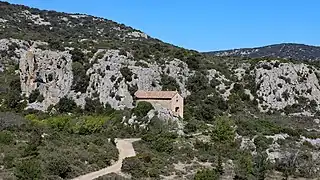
{"points": [[67, 83], [284, 51]]}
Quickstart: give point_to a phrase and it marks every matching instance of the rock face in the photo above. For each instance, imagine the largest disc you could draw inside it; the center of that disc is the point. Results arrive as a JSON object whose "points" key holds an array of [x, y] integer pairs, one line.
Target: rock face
{"points": [[285, 84], [51, 73], [48, 71], [279, 86]]}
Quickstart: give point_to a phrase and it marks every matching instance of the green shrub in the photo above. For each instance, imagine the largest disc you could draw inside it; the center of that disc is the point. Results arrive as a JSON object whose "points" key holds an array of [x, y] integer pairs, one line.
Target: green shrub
{"points": [[8, 160], [77, 55], [6, 137], [223, 132], [93, 106], [169, 83], [244, 166], [191, 126], [142, 109], [193, 62], [132, 89], [89, 124], [13, 97], [55, 45], [66, 104], [126, 73], [34, 95], [80, 79], [59, 122], [134, 166], [9, 121], [28, 169], [122, 52], [211, 107], [197, 82], [206, 174], [262, 143], [58, 165], [252, 127], [162, 141], [35, 140], [261, 165]]}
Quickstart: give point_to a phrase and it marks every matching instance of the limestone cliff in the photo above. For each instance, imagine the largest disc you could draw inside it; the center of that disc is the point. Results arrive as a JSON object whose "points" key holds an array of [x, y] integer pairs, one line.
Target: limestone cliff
{"points": [[279, 86]]}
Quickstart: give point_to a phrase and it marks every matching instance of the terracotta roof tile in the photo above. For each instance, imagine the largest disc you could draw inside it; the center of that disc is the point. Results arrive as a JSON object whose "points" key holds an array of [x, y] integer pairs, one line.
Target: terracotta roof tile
{"points": [[155, 94]]}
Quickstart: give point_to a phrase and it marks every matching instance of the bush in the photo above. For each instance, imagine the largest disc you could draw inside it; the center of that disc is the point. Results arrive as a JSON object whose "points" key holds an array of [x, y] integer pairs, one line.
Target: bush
{"points": [[58, 165], [206, 174], [77, 55], [34, 95], [169, 83], [56, 45], [88, 124], [162, 141], [223, 132], [66, 104], [252, 127], [134, 166], [244, 166], [13, 97], [191, 127], [6, 137], [142, 109], [262, 143], [59, 122], [261, 165], [132, 89], [28, 169], [80, 79], [122, 52], [8, 160], [193, 62], [210, 108], [197, 82], [93, 106], [126, 73]]}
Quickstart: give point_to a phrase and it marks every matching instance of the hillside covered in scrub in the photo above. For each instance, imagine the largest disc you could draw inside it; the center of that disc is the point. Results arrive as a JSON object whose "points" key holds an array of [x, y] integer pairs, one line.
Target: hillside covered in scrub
{"points": [[67, 83], [300, 52]]}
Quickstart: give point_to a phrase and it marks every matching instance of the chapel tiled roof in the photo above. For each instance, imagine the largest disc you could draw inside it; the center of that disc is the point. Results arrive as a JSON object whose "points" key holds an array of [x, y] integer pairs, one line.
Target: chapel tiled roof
{"points": [[155, 94]]}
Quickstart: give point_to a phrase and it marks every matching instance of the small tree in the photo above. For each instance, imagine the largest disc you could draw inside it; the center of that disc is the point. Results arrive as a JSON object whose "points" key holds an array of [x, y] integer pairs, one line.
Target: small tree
{"points": [[261, 166], [244, 166], [66, 104], [93, 106], [126, 73], [169, 83], [142, 109], [223, 136]]}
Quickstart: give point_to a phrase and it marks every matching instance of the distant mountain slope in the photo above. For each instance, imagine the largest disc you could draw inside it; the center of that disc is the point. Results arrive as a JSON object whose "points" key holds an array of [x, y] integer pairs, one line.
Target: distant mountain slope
{"points": [[285, 50]]}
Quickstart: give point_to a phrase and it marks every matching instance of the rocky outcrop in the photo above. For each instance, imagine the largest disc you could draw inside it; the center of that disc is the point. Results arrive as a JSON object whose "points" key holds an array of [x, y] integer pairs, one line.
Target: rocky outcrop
{"points": [[278, 85], [51, 73], [48, 71], [284, 84]]}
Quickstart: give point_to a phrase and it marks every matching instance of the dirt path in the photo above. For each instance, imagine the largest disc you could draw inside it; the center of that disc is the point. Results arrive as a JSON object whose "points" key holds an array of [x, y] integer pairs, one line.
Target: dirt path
{"points": [[125, 149]]}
